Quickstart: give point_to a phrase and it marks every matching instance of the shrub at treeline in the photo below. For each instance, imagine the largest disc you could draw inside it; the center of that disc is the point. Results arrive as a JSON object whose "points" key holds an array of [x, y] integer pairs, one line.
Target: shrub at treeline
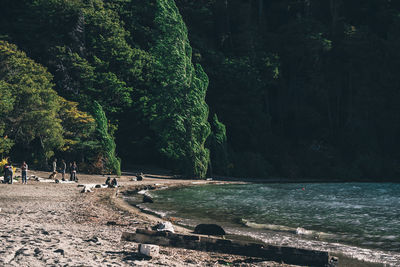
{"points": [[294, 88]]}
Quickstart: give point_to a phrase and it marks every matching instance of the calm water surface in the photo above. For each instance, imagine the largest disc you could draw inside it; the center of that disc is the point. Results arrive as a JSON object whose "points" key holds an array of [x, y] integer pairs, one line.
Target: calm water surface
{"points": [[360, 220]]}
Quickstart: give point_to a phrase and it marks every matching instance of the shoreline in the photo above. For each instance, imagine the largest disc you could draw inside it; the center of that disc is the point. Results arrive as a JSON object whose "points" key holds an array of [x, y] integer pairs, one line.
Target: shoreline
{"points": [[86, 228], [344, 260], [49, 224], [294, 180]]}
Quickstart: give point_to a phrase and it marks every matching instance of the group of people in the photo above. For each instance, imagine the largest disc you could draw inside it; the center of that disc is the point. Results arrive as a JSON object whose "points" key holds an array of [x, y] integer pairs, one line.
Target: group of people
{"points": [[8, 170], [73, 168], [111, 183]]}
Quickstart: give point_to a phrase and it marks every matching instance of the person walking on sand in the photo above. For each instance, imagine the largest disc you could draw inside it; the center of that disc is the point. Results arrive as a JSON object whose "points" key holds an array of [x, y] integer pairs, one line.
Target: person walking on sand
{"points": [[24, 170], [73, 169], [63, 169]]}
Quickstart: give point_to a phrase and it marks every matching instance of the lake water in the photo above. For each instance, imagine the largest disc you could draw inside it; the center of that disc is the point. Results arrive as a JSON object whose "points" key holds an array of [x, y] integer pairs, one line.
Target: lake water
{"points": [[359, 220]]}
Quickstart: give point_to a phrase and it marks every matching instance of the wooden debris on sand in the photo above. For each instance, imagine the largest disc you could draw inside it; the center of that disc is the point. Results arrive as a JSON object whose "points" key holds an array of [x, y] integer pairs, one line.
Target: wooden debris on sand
{"points": [[283, 254]]}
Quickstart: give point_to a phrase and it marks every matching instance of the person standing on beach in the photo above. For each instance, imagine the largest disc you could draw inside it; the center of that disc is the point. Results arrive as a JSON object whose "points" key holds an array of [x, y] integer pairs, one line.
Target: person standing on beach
{"points": [[54, 165], [24, 170], [73, 169], [70, 171], [10, 172], [5, 170], [63, 169]]}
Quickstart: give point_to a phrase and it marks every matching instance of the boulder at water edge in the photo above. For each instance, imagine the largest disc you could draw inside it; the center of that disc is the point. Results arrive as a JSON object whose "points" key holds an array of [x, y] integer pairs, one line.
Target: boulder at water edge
{"points": [[147, 199], [209, 229], [139, 177]]}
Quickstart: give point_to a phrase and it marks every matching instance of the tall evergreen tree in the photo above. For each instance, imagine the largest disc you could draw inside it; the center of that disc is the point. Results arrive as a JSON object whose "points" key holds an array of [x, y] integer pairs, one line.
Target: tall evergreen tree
{"points": [[106, 153], [178, 111]]}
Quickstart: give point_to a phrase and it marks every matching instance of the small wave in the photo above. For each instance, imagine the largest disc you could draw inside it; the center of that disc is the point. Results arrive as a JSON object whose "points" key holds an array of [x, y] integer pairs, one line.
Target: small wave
{"points": [[282, 228], [361, 254], [390, 237], [267, 226], [302, 231], [159, 213]]}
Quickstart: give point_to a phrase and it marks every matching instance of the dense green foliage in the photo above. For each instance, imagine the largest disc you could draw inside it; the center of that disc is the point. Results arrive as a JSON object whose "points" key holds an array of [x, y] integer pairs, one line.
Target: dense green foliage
{"points": [[177, 109], [306, 88], [6, 105], [217, 142], [30, 104], [33, 116], [295, 88]]}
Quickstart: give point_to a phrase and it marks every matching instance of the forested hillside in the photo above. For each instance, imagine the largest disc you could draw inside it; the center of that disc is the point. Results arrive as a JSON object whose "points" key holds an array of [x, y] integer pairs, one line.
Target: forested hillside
{"points": [[256, 88]]}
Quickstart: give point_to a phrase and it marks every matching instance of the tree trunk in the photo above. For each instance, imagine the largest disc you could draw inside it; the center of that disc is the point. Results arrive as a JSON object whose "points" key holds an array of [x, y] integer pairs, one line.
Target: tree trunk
{"points": [[334, 7], [260, 11]]}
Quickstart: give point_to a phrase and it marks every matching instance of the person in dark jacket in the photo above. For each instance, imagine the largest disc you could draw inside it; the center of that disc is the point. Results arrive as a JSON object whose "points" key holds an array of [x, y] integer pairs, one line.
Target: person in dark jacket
{"points": [[73, 170], [8, 175], [114, 183], [108, 181], [5, 171], [63, 169], [24, 171]]}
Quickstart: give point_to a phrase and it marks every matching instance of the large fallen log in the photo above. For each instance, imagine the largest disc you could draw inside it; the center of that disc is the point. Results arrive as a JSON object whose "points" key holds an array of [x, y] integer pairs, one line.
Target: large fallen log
{"points": [[287, 255]]}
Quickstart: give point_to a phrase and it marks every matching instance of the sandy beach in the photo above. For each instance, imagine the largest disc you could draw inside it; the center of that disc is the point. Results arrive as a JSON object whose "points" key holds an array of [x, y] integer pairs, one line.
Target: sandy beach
{"points": [[48, 224]]}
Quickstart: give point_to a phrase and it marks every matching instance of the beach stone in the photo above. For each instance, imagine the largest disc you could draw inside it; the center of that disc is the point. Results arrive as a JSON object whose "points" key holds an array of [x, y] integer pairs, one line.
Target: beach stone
{"points": [[209, 229], [94, 239], [37, 251], [165, 227], [147, 199], [61, 251], [140, 177], [149, 250]]}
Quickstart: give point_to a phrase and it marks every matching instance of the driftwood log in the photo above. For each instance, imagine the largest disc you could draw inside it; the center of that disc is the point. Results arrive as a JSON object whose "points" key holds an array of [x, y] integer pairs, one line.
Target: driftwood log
{"points": [[287, 255]]}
